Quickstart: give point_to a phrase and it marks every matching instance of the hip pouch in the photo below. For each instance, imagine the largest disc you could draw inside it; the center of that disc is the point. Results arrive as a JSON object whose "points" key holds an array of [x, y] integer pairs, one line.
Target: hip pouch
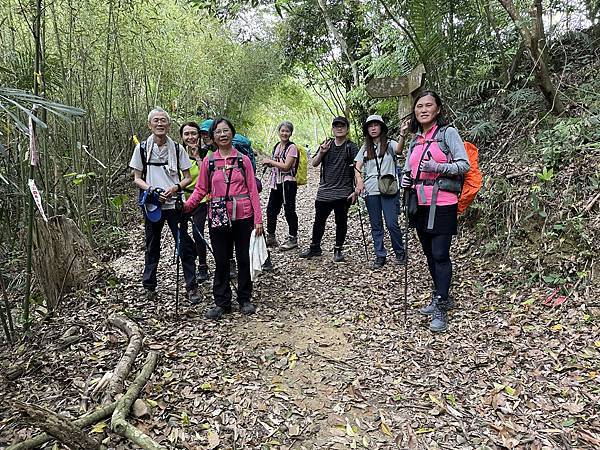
{"points": [[388, 185], [450, 184], [219, 217]]}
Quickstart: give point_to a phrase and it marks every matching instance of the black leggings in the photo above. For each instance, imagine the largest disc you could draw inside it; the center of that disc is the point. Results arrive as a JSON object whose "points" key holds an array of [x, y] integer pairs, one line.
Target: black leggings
{"points": [[284, 195], [437, 250]]}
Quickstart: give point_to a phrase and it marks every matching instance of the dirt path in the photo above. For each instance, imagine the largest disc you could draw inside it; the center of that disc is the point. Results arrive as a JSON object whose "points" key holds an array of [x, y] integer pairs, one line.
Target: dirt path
{"points": [[328, 361]]}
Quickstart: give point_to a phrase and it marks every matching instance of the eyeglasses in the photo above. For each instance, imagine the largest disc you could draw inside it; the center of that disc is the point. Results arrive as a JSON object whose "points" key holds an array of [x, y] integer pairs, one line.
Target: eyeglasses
{"points": [[160, 120], [338, 125], [222, 131]]}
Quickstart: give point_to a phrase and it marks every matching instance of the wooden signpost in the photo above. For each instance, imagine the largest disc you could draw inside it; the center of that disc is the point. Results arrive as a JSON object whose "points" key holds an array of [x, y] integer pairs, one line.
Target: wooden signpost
{"points": [[405, 87]]}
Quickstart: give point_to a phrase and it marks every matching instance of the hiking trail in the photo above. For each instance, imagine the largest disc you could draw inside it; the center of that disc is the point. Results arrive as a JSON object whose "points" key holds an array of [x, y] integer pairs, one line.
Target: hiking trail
{"points": [[328, 361]]}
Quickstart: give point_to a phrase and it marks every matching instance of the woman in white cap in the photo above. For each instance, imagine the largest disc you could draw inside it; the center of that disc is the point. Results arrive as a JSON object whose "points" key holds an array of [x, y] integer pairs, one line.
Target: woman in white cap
{"points": [[377, 159]]}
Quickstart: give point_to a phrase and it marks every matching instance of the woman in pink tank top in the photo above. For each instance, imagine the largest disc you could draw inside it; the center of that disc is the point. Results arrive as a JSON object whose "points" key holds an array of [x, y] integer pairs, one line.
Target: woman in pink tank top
{"points": [[426, 170]]}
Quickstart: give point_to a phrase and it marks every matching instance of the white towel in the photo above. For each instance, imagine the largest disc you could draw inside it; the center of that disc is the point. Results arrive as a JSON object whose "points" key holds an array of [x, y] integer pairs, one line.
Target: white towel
{"points": [[258, 254], [172, 153]]}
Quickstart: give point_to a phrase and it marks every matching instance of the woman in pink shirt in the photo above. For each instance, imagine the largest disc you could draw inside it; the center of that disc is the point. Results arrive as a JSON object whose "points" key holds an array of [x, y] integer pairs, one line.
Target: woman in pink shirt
{"points": [[233, 212], [435, 161]]}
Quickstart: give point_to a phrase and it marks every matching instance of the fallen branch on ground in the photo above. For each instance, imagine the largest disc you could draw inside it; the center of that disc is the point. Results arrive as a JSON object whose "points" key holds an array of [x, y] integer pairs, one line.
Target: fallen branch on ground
{"points": [[115, 385], [118, 423], [82, 422], [58, 427]]}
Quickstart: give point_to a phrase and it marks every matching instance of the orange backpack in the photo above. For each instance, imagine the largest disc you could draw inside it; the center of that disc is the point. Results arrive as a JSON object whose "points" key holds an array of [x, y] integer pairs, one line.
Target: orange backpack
{"points": [[472, 180]]}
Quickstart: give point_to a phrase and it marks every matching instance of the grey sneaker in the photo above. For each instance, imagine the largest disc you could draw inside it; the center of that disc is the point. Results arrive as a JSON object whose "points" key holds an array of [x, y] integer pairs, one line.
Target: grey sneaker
{"points": [[193, 297], [216, 312], [310, 252], [338, 256], [202, 274], [439, 319], [379, 262], [271, 240], [290, 243], [428, 310], [149, 294], [247, 308]]}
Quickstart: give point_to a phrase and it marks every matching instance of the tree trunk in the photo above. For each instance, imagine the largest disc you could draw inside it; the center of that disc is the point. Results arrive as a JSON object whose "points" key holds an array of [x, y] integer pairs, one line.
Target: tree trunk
{"points": [[532, 39], [59, 427], [343, 44]]}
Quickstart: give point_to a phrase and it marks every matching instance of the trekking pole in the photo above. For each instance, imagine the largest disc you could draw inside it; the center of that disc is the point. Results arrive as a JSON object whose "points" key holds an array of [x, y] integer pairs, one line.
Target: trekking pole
{"points": [[179, 212], [362, 229], [405, 208]]}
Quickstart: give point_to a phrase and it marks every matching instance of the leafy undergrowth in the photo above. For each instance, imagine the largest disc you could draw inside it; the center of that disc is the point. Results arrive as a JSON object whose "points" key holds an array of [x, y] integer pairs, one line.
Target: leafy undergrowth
{"points": [[328, 361]]}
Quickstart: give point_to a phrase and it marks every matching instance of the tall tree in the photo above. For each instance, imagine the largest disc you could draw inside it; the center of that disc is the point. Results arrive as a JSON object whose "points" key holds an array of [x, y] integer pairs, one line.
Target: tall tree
{"points": [[533, 35]]}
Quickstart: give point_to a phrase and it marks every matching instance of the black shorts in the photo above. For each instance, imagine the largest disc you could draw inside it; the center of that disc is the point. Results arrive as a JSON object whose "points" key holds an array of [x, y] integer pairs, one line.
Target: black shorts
{"points": [[445, 219]]}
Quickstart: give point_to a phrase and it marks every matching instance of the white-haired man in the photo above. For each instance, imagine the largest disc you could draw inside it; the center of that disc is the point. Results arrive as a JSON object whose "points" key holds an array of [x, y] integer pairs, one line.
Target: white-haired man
{"points": [[156, 164]]}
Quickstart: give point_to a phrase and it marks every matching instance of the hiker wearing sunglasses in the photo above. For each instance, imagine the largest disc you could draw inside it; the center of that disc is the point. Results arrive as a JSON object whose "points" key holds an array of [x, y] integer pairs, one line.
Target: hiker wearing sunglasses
{"points": [[377, 159], [233, 212], [157, 163], [336, 158], [432, 201]]}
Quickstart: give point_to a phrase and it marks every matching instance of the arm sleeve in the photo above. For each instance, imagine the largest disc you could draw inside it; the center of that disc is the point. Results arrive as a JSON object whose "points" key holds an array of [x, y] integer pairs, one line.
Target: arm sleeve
{"points": [[201, 188], [136, 159], [184, 160], [458, 155], [360, 155], [252, 190]]}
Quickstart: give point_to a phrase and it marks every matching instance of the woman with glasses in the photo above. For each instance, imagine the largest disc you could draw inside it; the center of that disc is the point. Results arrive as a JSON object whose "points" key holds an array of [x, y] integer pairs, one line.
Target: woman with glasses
{"points": [[234, 211]]}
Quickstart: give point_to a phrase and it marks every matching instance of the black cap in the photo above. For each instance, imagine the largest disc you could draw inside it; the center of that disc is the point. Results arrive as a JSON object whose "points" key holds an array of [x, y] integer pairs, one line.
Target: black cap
{"points": [[340, 119]]}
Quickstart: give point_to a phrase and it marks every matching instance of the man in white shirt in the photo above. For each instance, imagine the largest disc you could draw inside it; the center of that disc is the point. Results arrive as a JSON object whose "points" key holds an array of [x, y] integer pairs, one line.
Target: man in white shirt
{"points": [[156, 163]]}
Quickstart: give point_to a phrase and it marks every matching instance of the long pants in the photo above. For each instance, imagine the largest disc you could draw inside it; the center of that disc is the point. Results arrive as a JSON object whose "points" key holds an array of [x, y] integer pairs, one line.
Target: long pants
{"points": [[153, 232], [284, 195], [322, 211], [437, 251], [390, 208], [199, 220], [222, 243]]}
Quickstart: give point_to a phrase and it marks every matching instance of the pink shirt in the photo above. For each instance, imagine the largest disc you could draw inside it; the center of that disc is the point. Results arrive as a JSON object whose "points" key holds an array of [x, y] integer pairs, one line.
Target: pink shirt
{"points": [[248, 205], [277, 176], [424, 191]]}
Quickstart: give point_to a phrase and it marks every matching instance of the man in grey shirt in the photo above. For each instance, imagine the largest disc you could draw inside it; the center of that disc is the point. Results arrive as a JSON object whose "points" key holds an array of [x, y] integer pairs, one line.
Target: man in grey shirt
{"points": [[336, 157], [156, 163]]}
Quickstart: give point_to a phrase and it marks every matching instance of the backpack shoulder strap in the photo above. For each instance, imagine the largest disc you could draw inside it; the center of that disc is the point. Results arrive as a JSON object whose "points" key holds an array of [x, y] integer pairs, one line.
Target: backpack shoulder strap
{"points": [[177, 158], [441, 139], [143, 157]]}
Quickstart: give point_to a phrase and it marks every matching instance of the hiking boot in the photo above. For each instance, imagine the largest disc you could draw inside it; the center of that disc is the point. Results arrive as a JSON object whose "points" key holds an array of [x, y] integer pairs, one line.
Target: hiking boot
{"points": [[202, 274], [271, 240], [310, 252], [232, 268], [439, 318], [290, 243], [401, 259], [268, 264], [379, 262], [149, 294], [216, 312], [193, 297], [338, 256], [428, 310], [247, 308]]}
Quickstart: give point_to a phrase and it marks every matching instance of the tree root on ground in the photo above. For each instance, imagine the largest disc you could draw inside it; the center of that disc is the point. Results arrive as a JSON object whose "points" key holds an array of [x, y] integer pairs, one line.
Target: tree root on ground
{"points": [[56, 426], [118, 423], [121, 372], [82, 422]]}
